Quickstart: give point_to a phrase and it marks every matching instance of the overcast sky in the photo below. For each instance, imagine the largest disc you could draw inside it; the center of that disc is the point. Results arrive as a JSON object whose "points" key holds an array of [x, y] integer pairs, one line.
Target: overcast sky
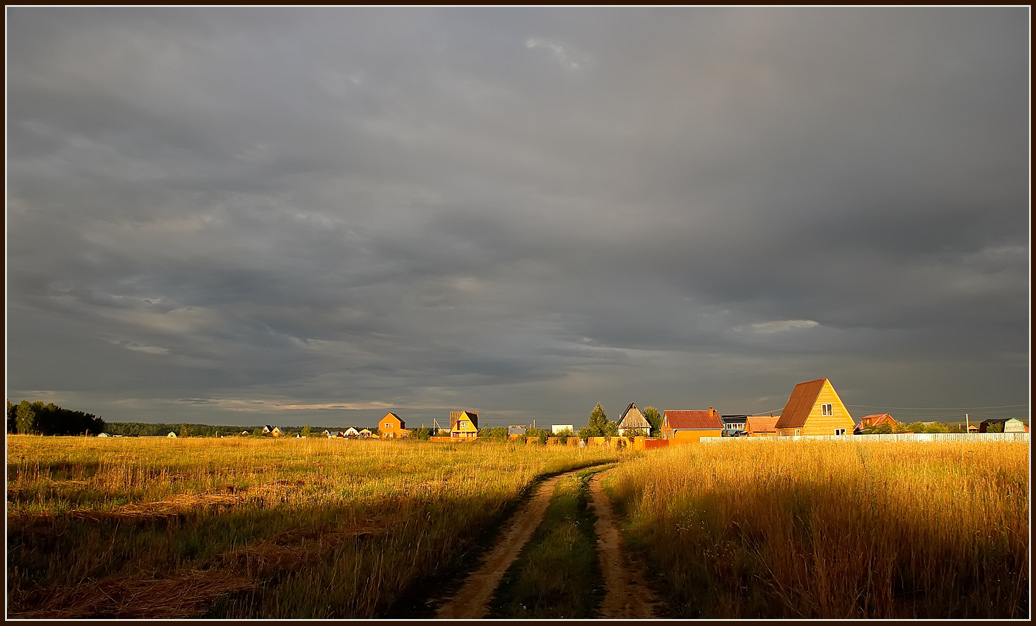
{"points": [[291, 216]]}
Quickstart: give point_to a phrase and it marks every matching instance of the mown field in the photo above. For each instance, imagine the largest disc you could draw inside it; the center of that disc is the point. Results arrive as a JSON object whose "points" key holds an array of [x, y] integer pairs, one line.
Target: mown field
{"points": [[247, 528], [833, 529]]}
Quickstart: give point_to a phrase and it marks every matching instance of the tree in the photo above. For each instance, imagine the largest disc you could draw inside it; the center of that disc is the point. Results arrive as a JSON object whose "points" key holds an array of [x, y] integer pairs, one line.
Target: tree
{"points": [[884, 429], [937, 427], [306, 430], [186, 430], [994, 428], [26, 418], [258, 432], [421, 433], [12, 417], [633, 433], [599, 425], [653, 417]]}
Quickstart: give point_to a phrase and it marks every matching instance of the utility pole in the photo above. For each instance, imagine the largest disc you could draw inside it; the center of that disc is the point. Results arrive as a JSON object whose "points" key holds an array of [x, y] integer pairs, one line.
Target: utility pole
{"points": [[967, 424]]}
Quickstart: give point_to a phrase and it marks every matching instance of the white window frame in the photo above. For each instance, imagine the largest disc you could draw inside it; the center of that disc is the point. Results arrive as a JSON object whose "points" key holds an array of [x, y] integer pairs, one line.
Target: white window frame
{"points": [[826, 409]]}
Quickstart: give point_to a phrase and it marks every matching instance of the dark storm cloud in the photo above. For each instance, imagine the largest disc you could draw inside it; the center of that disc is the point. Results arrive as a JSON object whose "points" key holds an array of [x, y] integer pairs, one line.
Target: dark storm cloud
{"points": [[253, 214]]}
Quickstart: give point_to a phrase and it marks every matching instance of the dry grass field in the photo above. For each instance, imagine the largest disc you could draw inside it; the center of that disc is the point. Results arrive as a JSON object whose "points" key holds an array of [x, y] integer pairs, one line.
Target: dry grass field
{"points": [[246, 528], [833, 529]]}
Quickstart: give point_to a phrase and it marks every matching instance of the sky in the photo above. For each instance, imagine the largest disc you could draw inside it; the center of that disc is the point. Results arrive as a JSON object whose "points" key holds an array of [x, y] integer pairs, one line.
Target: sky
{"points": [[316, 216]]}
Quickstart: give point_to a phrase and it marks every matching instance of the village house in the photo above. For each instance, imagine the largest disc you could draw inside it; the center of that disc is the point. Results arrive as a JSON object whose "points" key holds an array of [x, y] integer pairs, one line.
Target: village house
{"points": [[689, 426], [365, 433], [633, 419], [515, 432], [874, 421], [351, 432], [1012, 425], [734, 425], [814, 408], [560, 428], [464, 424], [392, 427], [760, 426]]}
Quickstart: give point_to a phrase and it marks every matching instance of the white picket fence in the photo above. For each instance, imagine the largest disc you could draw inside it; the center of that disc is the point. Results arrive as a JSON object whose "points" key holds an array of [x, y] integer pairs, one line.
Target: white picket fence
{"points": [[972, 437]]}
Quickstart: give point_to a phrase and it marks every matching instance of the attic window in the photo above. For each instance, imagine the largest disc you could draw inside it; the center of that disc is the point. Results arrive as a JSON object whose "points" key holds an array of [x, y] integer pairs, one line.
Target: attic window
{"points": [[825, 409]]}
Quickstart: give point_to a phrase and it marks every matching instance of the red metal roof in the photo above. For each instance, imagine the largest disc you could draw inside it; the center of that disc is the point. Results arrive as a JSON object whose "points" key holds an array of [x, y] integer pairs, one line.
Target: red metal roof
{"points": [[801, 402], [709, 419]]}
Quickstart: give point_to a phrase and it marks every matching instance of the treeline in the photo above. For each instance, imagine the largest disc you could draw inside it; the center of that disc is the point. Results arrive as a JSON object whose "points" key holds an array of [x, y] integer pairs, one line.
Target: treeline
{"points": [[36, 418], [142, 429]]}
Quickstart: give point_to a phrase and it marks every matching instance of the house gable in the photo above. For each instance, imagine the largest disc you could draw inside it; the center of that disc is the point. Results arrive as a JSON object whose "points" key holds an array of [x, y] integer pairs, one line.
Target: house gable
{"points": [[632, 418], [463, 423], [814, 408]]}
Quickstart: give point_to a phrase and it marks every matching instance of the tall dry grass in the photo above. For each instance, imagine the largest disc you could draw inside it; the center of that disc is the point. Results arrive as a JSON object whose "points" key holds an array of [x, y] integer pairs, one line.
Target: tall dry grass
{"points": [[761, 529], [295, 527]]}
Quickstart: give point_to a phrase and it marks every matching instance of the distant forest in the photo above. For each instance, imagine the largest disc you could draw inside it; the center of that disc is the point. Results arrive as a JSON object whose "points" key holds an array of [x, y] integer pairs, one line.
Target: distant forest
{"points": [[36, 418]]}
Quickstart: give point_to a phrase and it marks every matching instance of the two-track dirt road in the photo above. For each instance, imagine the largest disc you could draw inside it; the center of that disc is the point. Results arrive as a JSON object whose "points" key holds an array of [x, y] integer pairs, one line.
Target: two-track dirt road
{"points": [[627, 596]]}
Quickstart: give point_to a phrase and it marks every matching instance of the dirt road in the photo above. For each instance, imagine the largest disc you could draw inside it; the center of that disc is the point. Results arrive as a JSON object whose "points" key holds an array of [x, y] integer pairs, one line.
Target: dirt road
{"points": [[472, 601], [627, 595]]}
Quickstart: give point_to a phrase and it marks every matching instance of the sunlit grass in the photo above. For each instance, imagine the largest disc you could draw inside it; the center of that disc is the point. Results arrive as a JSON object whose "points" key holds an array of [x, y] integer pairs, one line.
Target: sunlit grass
{"points": [[321, 528], [834, 530]]}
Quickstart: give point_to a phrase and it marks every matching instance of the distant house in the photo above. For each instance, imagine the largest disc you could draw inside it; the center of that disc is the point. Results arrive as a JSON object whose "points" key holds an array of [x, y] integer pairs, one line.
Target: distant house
{"points": [[365, 433], [171, 435], [691, 425], [102, 435], [1012, 425], [392, 427], [514, 432], [873, 421], [267, 429], [557, 428], [633, 419], [351, 432], [972, 429], [244, 433], [464, 424], [760, 426], [276, 432], [734, 424], [814, 408]]}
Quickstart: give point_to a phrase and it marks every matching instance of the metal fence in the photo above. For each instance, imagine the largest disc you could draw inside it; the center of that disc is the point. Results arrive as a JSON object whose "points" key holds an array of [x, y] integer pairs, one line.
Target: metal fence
{"points": [[972, 437]]}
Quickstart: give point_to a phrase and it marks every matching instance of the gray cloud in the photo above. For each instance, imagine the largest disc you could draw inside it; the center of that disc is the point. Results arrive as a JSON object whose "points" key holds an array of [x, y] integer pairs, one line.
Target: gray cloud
{"points": [[245, 215]]}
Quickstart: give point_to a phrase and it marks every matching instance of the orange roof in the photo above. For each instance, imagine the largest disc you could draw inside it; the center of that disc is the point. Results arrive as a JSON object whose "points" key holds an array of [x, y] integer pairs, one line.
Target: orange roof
{"points": [[694, 419], [761, 424], [801, 402], [875, 420]]}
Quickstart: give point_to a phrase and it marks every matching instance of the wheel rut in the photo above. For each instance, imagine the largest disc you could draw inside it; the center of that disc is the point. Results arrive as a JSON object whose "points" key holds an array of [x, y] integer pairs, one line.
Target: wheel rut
{"points": [[627, 595], [472, 599]]}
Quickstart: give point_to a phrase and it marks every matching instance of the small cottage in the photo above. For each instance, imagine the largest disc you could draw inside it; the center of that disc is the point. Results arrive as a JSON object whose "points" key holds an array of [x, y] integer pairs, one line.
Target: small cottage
{"points": [[392, 427], [514, 432], [464, 424], [760, 426], [171, 435], [874, 421], [734, 425], [633, 419], [1012, 425], [351, 432], [814, 408], [688, 426]]}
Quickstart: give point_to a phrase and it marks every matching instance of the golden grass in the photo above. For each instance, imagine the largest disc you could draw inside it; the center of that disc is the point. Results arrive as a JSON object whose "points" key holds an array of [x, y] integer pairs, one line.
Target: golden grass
{"points": [[317, 528], [834, 529]]}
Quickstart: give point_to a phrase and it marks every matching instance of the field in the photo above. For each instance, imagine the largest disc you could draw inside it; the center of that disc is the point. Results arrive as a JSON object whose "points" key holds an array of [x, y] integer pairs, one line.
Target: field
{"points": [[317, 528], [833, 529], [245, 528]]}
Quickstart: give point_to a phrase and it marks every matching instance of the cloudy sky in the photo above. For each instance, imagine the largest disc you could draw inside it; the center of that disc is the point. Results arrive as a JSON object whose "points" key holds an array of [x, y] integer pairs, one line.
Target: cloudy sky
{"points": [[239, 216]]}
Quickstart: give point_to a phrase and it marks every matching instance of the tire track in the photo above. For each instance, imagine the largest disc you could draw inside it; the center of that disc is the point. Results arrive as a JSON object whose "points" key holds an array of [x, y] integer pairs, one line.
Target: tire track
{"points": [[627, 595], [472, 600]]}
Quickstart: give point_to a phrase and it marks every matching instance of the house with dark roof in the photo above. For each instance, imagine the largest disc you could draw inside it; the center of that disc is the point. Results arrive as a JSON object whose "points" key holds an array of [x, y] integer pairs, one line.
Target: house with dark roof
{"points": [[814, 408], [760, 426], [734, 425], [1012, 425], [687, 426], [874, 421], [633, 419], [464, 424], [392, 427]]}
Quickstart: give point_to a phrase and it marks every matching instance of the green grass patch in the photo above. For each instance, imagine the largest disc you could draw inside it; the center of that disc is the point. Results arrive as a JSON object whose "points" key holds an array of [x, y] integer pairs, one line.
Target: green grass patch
{"points": [[557, 574]]}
